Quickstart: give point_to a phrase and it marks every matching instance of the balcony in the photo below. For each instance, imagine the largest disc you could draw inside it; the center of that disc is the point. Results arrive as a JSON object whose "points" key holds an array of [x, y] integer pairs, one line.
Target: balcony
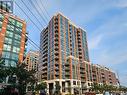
{"points": [[79, 39], [82, 71], [67, 64], [56, 64], [44, 76], [57, 68], [44, 59], [56, 27], [67, 68], [44, 72], [80, 53], [67, 77], [44, 68], [56, 51], [56, 43], [82, 76], [45, 56], [56, 35], [44, 64], [67, 73], [56, 19], [82, 67], [57, 73], [56, 54], [56, 58], [79, 45], [56, 23], [56, 46], [83, 80], [80, 57]]}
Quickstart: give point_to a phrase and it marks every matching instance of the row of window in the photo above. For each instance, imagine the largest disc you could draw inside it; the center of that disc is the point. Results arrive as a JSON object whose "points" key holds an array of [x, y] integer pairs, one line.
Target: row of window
{"points": [[0, 25], [10, 40], [15, 22], [11, 34], [12, 23], [7, 54], [1, 17], [1, 20], [10, 62], [13, 28], [9, 48]]}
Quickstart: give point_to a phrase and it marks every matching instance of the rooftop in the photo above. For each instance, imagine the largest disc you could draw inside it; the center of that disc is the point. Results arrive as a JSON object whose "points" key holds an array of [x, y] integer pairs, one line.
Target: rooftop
{"points": [[59, 13]]}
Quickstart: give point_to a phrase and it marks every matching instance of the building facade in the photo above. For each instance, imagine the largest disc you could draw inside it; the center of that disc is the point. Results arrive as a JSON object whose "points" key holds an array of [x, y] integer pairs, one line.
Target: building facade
{"points": [[6, 6], [64, 57], [31, 60], [13, 38]]}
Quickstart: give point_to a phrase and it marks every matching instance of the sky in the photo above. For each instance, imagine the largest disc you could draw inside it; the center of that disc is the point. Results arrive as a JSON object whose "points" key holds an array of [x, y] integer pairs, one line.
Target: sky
{"points": [[105, 22]]}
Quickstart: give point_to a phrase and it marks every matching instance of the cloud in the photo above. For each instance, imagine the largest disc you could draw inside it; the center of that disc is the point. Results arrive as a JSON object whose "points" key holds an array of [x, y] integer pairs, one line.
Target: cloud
{"points": [[110, 39], [94, 42], [111, 58], [122, 3]]}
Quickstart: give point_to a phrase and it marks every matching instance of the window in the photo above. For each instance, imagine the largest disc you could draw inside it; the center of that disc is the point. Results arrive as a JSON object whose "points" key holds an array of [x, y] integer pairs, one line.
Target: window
{"points": [[1, 17], [10, 27], [13, 63], [9, 33], [18, 30], [6, 63], [74, 82], [7, 47], [16, 49], [0, 24], [15, 56], [11, 21], [88, 84], [16, 43], [6, 54], [19, 24], [8, 41], [78, 82], [18, 37]]}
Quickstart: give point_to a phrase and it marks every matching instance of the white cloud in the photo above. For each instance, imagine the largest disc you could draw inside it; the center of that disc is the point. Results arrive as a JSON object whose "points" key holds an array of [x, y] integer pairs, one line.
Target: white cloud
{"points": [[113, 50], [110, 58], [122, 3], [95, 41]]}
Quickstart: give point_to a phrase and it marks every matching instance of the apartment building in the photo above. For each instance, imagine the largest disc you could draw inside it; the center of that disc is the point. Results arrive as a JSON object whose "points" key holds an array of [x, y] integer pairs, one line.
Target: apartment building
{"points": [[64, 58], [13, 37], [31, 60]]}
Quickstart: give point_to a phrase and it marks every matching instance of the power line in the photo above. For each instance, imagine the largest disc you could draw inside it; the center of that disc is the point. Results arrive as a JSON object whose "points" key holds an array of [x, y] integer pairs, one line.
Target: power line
{"points": [[45, 9], [33, 45], [38, 12], [32, 22], [28, 17], [27, 37], [32, 13], [41, 10]]}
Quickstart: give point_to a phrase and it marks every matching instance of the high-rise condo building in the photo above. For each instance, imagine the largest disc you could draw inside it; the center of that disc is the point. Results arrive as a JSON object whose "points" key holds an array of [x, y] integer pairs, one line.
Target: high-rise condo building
{"points": [[64, 57], [13, 38]]}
